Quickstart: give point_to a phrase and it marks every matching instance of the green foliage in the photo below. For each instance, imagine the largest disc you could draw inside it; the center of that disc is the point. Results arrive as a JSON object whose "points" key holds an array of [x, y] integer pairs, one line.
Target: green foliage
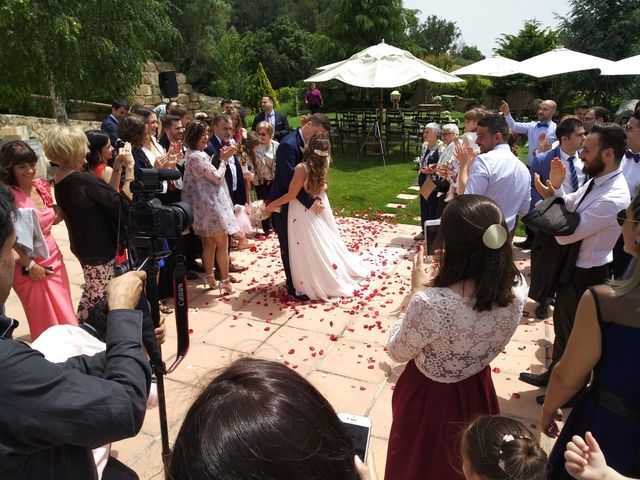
{"points": [[258, 86], [284, 49], [530, 41], [357, 24], [437, 36], [606, 29], [289, 94], [471, 52], [87, 50]]}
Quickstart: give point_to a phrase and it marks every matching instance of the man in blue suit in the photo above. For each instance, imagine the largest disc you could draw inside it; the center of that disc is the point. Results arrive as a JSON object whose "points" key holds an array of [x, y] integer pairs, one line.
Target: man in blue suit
{"points": [[119, 108], [571, 134], [288, 155], [277, 120]]}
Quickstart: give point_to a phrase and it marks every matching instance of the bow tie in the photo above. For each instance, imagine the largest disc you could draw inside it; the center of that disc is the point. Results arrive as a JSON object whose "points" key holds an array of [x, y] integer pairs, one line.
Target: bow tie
{"points": [[542, 125], [226, 144], [629, 154]]}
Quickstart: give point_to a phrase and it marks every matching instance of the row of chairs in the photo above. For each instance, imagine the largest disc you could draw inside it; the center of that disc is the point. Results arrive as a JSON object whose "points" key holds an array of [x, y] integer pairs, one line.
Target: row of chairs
{"points": [[364, 130]]}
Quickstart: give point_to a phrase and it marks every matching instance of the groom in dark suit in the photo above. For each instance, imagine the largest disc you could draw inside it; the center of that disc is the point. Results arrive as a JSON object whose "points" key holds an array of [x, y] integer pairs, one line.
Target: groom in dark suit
{"points": [[277, 120], [288, 155]]}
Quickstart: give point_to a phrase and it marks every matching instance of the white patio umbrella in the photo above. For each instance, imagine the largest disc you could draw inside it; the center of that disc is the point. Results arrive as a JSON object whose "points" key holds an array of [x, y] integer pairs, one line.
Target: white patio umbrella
{"points": [[382, 66], [561, 60], [627, 66], [493, 66]]}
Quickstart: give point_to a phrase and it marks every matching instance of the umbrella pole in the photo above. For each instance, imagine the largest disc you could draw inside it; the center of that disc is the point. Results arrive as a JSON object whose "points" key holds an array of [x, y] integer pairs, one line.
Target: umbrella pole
{"points": [[378, 127]]}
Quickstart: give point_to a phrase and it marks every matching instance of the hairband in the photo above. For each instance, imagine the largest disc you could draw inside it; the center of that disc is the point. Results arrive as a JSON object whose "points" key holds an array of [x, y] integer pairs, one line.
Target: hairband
{"points": [[494, 236], [321, 153], [506, 439]]}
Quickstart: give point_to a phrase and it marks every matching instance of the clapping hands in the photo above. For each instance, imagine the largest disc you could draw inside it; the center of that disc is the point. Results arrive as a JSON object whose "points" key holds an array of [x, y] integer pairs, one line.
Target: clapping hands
{"points": [[556, 177]]}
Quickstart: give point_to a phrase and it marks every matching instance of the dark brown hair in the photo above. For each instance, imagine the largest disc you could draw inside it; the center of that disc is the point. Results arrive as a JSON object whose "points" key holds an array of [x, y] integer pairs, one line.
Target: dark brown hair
{"points": [[317, 163], [260, 419], [132, 129], [14, 153], [466, 257], [97, 141], [501, 448], [320, 120], [193, 133]]}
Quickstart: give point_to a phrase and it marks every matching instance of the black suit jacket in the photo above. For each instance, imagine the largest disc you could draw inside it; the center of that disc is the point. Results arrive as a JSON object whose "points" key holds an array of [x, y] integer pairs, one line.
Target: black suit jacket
{"points": [[239, 195], [288, 155], [282, 128], [110, 127]]}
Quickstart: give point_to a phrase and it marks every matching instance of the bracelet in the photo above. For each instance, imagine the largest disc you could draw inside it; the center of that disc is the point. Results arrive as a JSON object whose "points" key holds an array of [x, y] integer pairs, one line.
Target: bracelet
{"points": [[32, 264]]}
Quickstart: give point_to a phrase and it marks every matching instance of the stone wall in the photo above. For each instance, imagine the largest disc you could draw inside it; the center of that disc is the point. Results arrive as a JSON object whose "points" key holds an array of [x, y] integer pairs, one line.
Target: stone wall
{"points": [[148, 92], [37, 126]]}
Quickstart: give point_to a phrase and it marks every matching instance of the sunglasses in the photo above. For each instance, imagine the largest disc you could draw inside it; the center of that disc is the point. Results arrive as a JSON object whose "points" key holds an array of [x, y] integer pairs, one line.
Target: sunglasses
{"points": [[622, 217]]}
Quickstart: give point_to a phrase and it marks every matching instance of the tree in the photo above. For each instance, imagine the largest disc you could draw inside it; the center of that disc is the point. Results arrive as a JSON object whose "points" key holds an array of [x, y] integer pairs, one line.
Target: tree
{"points": [[89, 50], [259, 86], [284, 49], [437, 36], [471, 52], [607, 29], [530, 41], [357, 24]]}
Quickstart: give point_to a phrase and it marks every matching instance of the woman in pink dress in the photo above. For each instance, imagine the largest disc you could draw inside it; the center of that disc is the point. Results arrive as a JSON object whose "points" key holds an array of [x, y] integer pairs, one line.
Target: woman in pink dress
{"points": [[41, 283]]}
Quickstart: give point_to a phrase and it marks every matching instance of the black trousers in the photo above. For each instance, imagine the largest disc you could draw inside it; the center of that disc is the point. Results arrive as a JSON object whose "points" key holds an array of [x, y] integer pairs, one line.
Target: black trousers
{"points": [[314, 107], [262, 192], [567, 298], [280, 225]]}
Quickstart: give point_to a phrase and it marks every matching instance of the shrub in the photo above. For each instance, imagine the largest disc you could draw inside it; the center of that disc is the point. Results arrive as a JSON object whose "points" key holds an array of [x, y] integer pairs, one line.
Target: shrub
{"points": [[257, 87]]}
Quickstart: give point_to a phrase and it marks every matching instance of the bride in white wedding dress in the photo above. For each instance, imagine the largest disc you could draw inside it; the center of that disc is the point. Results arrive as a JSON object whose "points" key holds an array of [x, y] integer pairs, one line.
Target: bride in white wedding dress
{"points": [[321, 265]]}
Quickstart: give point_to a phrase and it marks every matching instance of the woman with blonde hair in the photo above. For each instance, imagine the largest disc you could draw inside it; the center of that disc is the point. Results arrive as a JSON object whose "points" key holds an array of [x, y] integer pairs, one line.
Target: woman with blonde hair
{"points": [[265, 166], [604, 340], [321, 265], [93, 211]]}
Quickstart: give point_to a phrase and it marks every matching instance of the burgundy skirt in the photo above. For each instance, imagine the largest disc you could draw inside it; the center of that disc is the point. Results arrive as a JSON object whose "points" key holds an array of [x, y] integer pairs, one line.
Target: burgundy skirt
{"points": [[428, 420]]}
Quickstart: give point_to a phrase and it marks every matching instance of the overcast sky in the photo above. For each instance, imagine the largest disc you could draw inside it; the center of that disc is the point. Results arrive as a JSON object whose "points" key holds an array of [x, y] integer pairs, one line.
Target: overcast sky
{"points": [[482, 21]]}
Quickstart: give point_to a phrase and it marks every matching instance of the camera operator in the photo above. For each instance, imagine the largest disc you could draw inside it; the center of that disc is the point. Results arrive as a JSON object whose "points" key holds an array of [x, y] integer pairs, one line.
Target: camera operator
{"points": [[53, 414]]}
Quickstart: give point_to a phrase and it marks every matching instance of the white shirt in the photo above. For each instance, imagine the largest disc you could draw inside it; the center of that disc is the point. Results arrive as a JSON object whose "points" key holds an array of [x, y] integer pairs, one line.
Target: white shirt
{"points": [[232, 165], [631, 172], [532, 131], [500, 176], [567, 184], [598, 228]]}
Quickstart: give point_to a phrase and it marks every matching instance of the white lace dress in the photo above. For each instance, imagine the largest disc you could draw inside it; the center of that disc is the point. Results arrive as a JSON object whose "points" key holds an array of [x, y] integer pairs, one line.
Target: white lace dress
{"points": [[450, 341]]}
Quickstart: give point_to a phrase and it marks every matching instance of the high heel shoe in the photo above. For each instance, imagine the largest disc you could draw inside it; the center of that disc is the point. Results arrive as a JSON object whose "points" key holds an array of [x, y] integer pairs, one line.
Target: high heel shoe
{"points": [[225, 287], [211, 284]]}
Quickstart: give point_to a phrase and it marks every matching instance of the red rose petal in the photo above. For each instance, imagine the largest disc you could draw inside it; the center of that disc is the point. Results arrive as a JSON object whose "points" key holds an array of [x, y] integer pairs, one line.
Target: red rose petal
{"points": [[363, 388], [515, 395], [292, 351], [370, 367], [496, 370], [266, 329]]}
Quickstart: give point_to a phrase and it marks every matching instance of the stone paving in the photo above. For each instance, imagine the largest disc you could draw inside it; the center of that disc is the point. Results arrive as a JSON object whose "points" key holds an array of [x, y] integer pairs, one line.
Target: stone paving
{"points": [[338, 346]]}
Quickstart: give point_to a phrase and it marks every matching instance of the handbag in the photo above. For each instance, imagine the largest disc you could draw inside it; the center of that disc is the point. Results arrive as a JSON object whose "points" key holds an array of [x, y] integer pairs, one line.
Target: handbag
{"points": [[427, 188], [551, 216]]}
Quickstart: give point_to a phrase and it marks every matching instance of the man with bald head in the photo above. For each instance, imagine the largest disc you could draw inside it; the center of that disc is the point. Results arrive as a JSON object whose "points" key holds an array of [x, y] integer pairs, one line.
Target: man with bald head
{"points": [[536, 129], [544, 130]]}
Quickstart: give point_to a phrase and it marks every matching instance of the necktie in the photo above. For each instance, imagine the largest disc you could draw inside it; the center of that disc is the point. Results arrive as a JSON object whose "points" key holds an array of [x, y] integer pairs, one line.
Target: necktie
{"points": [[572, 172], [629, 154], [542, 124], [589, 188]]}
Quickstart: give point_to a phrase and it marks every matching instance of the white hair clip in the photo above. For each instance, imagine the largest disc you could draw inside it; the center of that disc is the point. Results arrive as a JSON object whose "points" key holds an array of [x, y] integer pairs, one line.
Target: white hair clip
{"points": [[321, 153], [494, 238]]}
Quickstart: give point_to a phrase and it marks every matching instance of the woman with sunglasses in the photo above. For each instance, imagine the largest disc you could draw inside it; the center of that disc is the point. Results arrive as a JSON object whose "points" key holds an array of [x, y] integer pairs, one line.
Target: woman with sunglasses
{"points": [[604, 339]]}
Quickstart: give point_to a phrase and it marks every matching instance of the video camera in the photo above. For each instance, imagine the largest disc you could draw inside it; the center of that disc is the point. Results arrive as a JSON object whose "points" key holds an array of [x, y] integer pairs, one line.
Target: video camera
{"points": [[149, 227]]}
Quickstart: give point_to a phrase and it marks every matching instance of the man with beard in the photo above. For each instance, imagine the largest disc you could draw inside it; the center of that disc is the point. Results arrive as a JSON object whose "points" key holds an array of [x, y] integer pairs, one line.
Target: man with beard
{"points": [[497, 173], [597, 202]]}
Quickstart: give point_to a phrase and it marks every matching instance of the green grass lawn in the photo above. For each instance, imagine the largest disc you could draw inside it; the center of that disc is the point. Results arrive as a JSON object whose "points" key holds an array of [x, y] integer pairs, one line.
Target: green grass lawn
{"points": [[360, 186]]}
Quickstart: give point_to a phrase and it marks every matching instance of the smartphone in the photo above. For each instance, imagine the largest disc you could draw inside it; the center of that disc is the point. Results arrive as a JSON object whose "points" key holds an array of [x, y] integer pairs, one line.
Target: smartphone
{"points": [[432, 240], [360, 430]]}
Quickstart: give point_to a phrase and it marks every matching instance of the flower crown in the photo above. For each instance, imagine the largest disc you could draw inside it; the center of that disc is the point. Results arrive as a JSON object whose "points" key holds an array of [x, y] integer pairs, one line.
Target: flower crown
{"points": [[321, 153]]}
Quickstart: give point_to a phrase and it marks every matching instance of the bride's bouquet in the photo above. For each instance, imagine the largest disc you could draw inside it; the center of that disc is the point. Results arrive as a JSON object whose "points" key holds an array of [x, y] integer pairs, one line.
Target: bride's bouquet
{"points": [[258, 211]]}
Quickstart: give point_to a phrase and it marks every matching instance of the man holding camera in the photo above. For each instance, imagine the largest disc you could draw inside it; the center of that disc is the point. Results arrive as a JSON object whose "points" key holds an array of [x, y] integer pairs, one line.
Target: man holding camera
{"points": [[53, 413]]}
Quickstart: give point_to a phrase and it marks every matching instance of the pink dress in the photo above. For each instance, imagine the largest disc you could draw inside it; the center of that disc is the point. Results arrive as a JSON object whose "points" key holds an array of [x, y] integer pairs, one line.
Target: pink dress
{"points": [[46, 302]]}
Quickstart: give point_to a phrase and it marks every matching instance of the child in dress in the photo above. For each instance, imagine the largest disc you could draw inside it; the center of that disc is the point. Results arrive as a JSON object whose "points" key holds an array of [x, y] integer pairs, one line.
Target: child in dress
{"points": [[500, 448]]}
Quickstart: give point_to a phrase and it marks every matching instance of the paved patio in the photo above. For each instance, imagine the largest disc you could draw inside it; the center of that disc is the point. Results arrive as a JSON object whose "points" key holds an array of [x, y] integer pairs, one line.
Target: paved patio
{"points": [[338, 346]]}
